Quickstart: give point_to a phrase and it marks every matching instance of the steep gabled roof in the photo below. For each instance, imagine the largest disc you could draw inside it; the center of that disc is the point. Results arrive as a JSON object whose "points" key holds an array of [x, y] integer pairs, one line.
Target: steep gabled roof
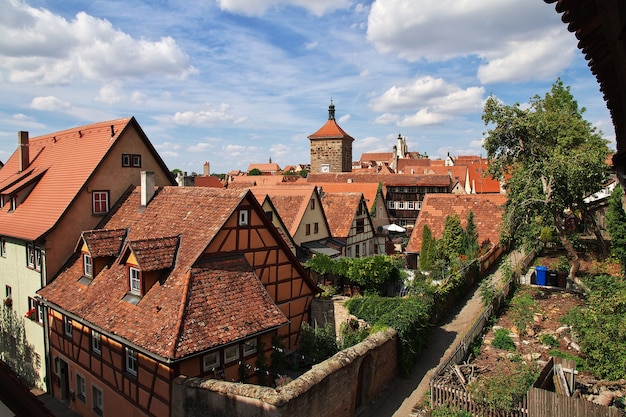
{"points": [[376, 156], [269, 167], [369, 190], [103, 242], [153, 254], [59, 166], [289, 201], [341, 209], [487, 209], [166, 320]]}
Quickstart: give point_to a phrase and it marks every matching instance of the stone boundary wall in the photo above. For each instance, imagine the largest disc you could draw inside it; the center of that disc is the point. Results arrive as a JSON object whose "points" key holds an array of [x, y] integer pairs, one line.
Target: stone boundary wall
{"points": [[336, 387]]}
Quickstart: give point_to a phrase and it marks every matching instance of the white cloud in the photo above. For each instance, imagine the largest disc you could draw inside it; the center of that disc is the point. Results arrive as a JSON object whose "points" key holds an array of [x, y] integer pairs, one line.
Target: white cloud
{"points": [[209, 116], [423, 117], [200, 147], [344, 118], [259, 7], [43, 48], [436, 100], [114, 93], [515, 38], [311, 45], [50, 103], [277, 150]]}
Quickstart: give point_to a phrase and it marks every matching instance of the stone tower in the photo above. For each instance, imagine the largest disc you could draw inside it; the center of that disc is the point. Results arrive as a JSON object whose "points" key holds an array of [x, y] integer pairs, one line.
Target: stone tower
{"points": [[331, 147]]}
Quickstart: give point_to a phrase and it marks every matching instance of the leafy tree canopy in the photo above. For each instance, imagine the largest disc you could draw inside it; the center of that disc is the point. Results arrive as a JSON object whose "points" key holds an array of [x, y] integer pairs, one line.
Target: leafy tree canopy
{"points": [[616, 225], [255, 171], [551, 159]]}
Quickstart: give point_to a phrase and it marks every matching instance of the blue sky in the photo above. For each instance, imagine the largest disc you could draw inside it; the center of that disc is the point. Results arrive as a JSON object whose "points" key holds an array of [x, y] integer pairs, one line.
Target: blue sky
{"points": [[235, 82]]}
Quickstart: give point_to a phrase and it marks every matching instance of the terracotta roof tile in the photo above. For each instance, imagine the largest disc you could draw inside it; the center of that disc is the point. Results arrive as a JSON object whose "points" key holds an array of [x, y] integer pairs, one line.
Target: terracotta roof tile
{"points": [[480, 181], [368, 190], [340, 209], [208, 181], [155, 253], [330, 130], [227, 303], [376, 156], [104, 242], [290, 201], [264, 167], [64, 160], [196, 214], [487, 209], [386, 179]]}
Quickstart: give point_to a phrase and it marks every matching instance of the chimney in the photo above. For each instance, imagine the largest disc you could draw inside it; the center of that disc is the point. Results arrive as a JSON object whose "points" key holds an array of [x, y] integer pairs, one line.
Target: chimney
{"points": [[207, 169], [147, 187], [22, 142]]}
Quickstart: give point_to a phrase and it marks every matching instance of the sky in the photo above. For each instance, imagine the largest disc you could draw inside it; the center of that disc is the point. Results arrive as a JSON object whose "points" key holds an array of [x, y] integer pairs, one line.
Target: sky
{"points": [[235, 82]]}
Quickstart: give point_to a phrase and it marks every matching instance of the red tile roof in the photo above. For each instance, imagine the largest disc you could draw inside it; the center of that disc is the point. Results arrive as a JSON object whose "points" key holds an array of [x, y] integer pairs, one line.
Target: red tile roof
{"points": [[368, 190], [104, 242], [386, 179], [487, 209], [290, 201], [207, 181], [340, 209], [154, 254], [271, 167], [480, 181], [60, 164], [330, 130], [376, 156], [167, 321]]}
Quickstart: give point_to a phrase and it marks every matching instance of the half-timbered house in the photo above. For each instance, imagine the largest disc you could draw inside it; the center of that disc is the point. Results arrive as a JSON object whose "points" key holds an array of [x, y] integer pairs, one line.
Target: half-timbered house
{"points": [[188, 281]]}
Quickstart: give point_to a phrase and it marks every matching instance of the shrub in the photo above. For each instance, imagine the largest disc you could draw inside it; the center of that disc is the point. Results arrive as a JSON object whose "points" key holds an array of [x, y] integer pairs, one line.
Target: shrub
{"points": [[487, 292], [351, 333], [506, 387], [548, 339], [317, 344], [449, 412], [523, 307], [502, 340]]}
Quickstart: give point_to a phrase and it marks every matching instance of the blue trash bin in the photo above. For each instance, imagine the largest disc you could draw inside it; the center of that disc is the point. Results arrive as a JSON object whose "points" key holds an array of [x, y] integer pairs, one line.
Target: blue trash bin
{"points": [[541, 272]]}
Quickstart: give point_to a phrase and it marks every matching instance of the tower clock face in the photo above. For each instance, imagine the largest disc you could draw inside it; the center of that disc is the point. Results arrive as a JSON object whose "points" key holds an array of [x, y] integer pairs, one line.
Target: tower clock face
{"points": [[325, 168]]}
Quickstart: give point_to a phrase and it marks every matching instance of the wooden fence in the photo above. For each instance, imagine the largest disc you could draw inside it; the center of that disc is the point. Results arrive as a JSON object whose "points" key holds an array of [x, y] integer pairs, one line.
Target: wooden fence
{"points": [[537, 402]]}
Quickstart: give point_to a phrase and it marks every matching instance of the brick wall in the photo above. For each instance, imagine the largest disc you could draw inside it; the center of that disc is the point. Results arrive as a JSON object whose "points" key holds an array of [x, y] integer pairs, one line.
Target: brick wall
{"points": [[329, 389]]}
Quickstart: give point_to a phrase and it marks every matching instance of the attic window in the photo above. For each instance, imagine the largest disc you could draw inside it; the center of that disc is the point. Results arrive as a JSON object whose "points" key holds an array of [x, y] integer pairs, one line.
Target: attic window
{"points": [[135, 280], [312, 204], [210, 361], [87, 265], [100, 202], [243, 217], [131, 160], [13, 203], [1, 201]]}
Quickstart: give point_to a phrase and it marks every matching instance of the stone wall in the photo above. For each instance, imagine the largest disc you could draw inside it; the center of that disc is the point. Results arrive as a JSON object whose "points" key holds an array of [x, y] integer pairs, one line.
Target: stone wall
{"points": [[337, 153], [336, 387]]}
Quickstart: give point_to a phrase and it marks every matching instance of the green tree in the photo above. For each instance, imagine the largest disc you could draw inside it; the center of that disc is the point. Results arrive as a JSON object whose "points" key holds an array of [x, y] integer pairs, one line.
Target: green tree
{"points": [[255, 171], [552, 158], [451, 242], [429, 249], [303, 173], [470, 237], [616, 225]]}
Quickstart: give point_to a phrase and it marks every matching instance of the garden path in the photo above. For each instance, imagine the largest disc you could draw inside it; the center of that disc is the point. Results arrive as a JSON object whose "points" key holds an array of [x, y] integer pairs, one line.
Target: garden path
{"points": [[402, 396]]}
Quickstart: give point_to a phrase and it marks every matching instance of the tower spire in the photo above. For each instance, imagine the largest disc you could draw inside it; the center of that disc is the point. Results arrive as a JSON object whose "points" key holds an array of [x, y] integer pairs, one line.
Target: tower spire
{"points": [[331, 110]]}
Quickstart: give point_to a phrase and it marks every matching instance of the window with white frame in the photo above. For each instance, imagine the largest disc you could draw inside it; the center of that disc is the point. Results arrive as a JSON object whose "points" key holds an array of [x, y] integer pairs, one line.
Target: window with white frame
{"points": [[249, 347], [96, 342], [131, 361], [231, 353], [400, 205], [3, 248], [37, 258], [135, 280], [81, 388], [419, 205], [87, 265], [1, 201], [67, 326], [100, 202], [34, 310], [411, 205], [392, 204], [13, 203], [210, 361], [30, 255], [243, 217], [97, 400]]}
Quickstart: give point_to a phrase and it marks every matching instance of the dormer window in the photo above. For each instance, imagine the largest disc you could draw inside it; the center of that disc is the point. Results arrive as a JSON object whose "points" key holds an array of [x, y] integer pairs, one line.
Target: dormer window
{"points": [[87, 265], [13, 203], [1, 201], [135, 280]]}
